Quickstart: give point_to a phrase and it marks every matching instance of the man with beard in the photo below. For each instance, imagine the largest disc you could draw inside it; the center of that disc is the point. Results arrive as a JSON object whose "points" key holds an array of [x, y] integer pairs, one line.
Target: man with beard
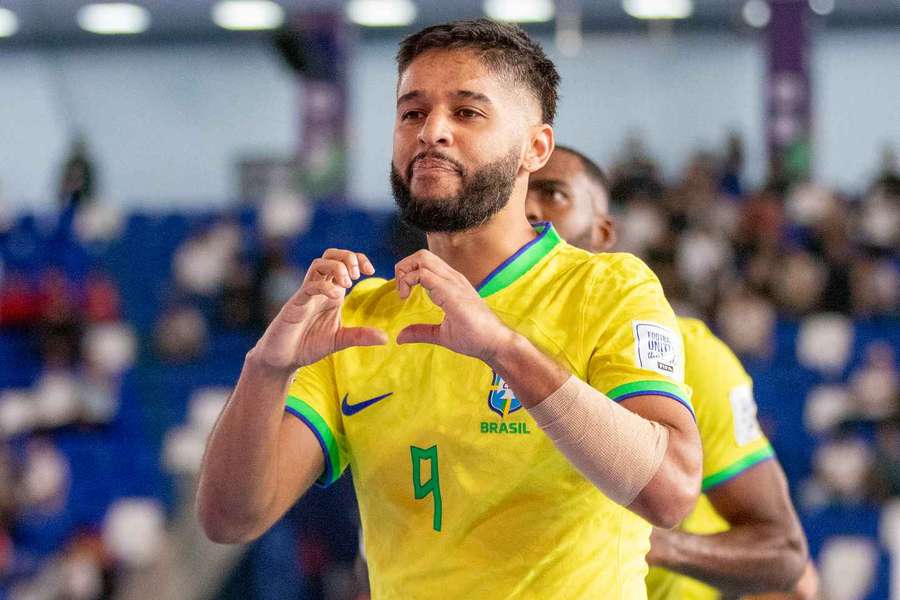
{"points": [[510, 406], [743, 536]]}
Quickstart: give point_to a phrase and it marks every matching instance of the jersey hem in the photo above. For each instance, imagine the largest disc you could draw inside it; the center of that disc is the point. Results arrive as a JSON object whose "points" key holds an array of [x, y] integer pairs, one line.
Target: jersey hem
{"points": [[738, 467], [324, 436]]}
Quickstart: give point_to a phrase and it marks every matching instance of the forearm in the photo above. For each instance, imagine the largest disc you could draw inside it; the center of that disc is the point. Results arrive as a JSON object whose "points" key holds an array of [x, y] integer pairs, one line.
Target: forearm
{"points": [[651, 467], [747, 559], [239, 477], [530, 373]]}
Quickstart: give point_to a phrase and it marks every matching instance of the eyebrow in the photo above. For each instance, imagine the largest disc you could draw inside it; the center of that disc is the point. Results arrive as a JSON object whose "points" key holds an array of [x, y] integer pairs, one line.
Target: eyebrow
{"points": [[468, 94], [544, 184]]}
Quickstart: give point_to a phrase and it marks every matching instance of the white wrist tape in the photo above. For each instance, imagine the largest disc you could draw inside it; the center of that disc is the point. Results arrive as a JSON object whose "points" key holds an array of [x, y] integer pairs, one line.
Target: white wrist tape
{"points": [[617, 450]]}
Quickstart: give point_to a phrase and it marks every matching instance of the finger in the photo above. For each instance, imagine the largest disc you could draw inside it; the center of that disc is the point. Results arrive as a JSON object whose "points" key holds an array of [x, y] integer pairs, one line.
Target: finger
{"points": [[402, 287], [419, 334], [359, 336], [324, 268], [422, 276], [322, 288], [365, 264], [350, 260], [427, 259]]}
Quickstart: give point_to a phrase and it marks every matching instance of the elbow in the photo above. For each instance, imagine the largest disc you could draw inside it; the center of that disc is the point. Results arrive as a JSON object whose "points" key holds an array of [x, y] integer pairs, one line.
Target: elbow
{"points": [[671, 509], [666, 504], [223, 526], [794, 558]]}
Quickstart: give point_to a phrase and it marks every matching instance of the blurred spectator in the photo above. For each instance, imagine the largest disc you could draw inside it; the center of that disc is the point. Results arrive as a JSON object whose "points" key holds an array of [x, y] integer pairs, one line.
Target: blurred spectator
{"points": [[181, 335], [77, 183]]}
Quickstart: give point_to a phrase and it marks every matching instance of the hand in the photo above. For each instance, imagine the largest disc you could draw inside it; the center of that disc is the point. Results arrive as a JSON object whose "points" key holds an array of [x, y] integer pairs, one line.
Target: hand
{"points": [[308, 327], [469, 326], [659, 547]]}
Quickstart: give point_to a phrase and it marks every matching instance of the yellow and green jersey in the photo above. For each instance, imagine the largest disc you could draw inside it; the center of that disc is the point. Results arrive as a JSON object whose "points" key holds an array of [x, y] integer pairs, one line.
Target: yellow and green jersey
{"points": [[461, 495], [731, 437]]}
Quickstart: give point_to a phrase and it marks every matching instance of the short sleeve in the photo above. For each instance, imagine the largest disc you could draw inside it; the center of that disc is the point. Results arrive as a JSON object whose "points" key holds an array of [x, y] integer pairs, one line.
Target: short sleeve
{"points": [[726, 410], [312, 397], [638, 348]]}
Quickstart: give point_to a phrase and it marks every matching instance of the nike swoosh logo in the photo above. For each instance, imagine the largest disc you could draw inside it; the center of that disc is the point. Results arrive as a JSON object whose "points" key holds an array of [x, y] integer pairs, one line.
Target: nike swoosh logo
{"points": [[351, 409]]}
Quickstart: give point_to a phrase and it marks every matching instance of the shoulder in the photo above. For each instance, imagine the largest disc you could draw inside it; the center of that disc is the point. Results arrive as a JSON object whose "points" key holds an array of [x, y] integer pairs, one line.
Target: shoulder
{"points": [[612, 267], [700, 341], [695, 331]]}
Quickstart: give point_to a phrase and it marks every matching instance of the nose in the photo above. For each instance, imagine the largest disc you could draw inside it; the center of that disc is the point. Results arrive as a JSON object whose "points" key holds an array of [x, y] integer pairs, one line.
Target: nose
{"points": [[533, 208], [436, 130]]}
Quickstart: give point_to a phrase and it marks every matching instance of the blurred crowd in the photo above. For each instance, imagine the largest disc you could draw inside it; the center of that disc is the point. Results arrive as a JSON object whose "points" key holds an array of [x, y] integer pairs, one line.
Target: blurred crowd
{"points": [[119, 335]]}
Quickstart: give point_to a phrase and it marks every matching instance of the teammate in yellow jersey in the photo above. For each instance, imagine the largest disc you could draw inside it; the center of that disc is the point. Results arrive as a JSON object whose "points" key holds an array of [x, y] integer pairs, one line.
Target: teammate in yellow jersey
{"points": [[511, 407], [743, 536]]}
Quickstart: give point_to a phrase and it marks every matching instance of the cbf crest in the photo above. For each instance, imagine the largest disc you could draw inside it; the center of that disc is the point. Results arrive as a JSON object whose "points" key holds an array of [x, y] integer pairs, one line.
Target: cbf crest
{"points": [[501, 398]]}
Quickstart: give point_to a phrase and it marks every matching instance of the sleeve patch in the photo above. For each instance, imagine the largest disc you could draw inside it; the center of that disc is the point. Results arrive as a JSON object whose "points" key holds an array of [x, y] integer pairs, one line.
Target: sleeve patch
{"points": [[743, 410], [658, 349]]}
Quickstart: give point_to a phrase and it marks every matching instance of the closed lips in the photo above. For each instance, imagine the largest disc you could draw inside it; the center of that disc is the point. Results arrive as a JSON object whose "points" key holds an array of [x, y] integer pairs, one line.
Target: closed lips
{"points": [[434, 163]]}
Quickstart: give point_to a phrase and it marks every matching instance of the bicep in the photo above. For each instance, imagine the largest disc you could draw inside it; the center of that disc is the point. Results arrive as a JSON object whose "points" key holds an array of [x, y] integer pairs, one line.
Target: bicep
{"points": [[672, 491], [300, 463], [671, 414], [759, 494]]}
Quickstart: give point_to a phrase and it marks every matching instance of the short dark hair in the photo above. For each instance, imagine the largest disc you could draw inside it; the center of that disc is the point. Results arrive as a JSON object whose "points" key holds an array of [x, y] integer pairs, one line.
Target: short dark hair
{"points": [[505, 48], [592, 169]]}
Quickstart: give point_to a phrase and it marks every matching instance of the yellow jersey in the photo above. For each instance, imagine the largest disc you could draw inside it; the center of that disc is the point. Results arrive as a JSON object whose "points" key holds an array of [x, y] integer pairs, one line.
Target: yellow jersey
{"points": [[460, 494], [731, 437]]}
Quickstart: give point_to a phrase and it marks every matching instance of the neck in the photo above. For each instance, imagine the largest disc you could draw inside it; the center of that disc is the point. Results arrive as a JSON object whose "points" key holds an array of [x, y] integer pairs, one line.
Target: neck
{"points": [[478, 251]]}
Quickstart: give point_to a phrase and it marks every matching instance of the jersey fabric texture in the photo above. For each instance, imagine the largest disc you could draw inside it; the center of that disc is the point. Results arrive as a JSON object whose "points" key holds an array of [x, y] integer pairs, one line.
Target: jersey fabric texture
{"points": [[731, 437], [460, 494]]}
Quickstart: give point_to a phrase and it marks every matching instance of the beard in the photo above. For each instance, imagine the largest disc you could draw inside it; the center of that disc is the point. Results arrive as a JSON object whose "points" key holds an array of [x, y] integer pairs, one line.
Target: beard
{"points": [[484, 193]]}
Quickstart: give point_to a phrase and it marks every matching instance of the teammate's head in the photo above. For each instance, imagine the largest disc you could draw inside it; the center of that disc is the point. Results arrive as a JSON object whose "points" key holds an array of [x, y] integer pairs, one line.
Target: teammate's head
{"points": [[475, 101], [572, 192]]}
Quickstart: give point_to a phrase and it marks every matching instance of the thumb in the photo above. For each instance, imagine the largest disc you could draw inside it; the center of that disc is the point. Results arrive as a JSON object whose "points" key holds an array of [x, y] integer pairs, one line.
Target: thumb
{"points": [[359, 336], [419, 334]]}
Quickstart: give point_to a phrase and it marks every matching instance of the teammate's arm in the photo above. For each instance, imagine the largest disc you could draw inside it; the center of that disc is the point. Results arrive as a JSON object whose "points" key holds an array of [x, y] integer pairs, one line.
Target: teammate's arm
{"points": [[258, 461], [471, 328], [765, 549]]}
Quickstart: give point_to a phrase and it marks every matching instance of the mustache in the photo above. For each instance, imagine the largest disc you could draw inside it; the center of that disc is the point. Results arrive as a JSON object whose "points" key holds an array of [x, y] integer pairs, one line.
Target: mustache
{"points": [[432, 154]]}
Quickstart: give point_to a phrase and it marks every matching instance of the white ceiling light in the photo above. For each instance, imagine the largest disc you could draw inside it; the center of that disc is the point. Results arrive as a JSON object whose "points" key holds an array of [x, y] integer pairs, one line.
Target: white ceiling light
{"points": [[520, 11], [246, 15], [658, 9], [381, 13], [757, 13], [9, 23], [821, 7], [113, 18]]}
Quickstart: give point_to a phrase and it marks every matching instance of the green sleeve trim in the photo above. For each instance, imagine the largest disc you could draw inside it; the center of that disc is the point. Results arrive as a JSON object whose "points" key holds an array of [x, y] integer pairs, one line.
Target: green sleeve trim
{"points": [[324, 435], [658, 388], [629, 389], [739, 467]]}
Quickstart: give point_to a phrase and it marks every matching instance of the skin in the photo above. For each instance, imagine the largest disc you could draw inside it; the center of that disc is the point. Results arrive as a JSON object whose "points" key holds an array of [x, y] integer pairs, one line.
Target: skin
{"points": [[259, 461], [765, 549]]}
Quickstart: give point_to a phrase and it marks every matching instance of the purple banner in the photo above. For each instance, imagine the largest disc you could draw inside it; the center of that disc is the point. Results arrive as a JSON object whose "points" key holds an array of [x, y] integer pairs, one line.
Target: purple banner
{"points": [[788, 91], [316, 46]]}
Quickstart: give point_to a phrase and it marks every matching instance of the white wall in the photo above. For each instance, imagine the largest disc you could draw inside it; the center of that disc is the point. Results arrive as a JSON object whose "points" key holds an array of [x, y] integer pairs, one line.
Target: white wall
{"points": [[165, 124], [679, 93], [857, 104]]}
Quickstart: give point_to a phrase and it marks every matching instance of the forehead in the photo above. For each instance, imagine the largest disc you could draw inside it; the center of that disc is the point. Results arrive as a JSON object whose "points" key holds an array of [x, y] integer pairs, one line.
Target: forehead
{"points": [[451, 69], [443, 72], [562, 166]]}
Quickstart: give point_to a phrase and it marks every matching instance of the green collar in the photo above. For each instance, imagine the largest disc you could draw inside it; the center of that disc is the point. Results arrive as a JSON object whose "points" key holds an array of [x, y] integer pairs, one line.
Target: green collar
{"points": [[519, 263]]}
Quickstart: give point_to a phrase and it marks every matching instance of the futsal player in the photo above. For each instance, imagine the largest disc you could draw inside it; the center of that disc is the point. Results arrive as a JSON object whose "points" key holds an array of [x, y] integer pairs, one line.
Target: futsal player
{"points": [[511, 407], [743, 536]]}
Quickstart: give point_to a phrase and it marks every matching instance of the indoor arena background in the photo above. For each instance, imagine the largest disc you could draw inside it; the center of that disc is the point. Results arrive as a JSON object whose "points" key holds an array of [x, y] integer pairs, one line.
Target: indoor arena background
{"points": [[168, 170]]}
